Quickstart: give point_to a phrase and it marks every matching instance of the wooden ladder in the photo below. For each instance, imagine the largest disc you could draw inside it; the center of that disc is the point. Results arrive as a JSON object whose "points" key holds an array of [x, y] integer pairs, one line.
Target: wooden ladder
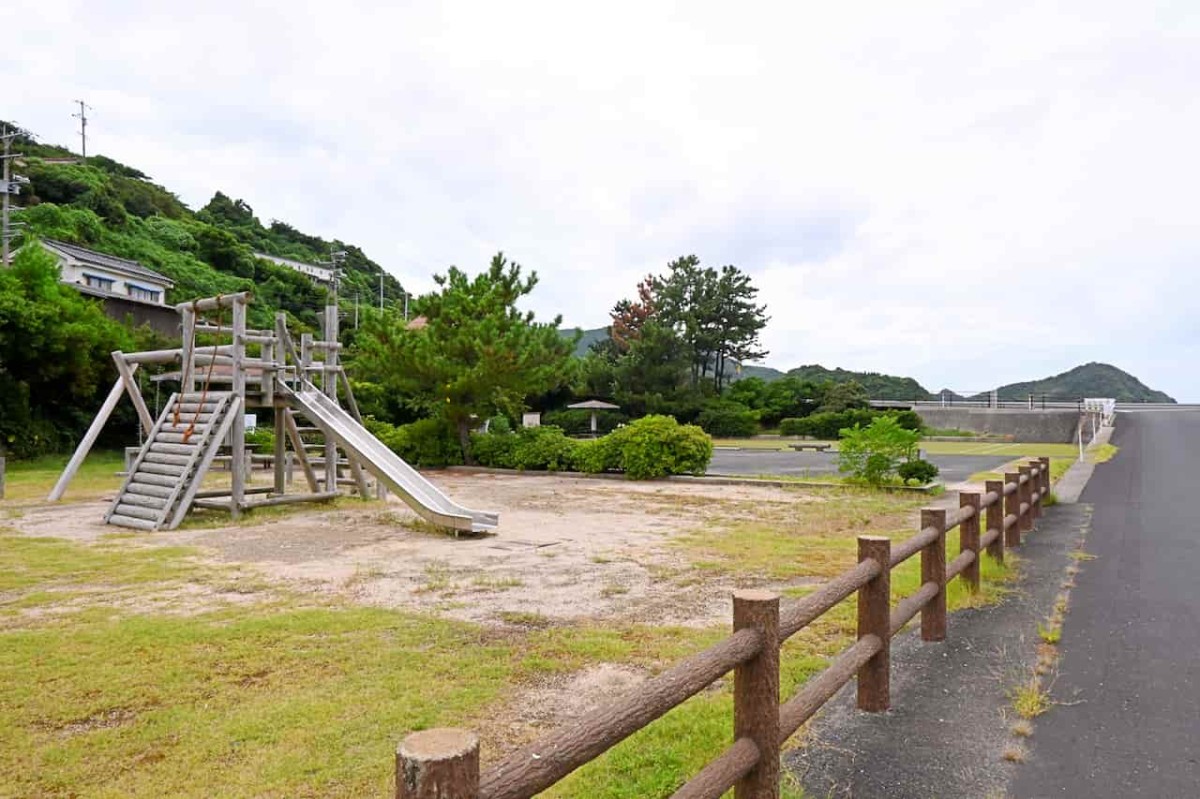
{"points": [[164, 479]]}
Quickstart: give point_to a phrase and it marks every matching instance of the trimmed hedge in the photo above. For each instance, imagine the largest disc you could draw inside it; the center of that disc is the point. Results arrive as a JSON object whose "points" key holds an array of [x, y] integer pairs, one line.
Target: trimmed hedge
{"points": [[828, 425], [727, 419], [426, 442], [653, 446]]}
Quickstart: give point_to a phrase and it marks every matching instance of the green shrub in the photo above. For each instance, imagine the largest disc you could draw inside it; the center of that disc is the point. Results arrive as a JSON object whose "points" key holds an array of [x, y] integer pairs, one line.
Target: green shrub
{"points": [[426, 442], [655, 446], [874, 453], [494, 450], [920, 470], [828, 425], [261, 440], [727, 419], [543, 448], [578, 422], [499, 424], [793, 426], [598, 455]]}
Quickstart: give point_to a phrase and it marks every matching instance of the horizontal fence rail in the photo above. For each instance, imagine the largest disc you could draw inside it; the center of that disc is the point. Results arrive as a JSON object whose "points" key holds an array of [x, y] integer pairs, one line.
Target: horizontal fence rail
{"points": [[444, 764]]}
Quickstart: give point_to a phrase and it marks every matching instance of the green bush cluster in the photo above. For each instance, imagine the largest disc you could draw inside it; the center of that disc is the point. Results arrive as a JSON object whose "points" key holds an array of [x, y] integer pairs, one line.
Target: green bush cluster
{"points": [[874, 453], [654, 446], [828, 425], [261, 440], [426, 442], [919, 470], [727, 419]]}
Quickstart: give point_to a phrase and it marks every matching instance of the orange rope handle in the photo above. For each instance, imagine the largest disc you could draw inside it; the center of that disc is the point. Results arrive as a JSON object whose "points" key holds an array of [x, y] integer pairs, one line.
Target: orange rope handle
{"points": [[187, 434]]}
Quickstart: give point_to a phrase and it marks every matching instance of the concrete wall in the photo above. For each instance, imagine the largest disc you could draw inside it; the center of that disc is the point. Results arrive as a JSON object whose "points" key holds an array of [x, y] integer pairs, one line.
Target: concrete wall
{"points": [[161, 318], [1021, 424]]}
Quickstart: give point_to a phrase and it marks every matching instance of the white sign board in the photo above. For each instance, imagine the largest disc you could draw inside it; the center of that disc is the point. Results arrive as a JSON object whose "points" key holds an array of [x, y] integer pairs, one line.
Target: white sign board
{"points": [[531, 420]]}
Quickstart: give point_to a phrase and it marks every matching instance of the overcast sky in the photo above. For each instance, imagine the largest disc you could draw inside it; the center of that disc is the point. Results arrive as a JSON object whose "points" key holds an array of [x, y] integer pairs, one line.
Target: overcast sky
{"points": [[968, 193]]}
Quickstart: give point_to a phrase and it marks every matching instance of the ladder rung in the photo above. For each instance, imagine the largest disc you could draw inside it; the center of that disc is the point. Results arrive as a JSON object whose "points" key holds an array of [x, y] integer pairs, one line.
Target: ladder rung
{"points": [[129, 521], [191, 408], [170, 469], [155, 503], [166, 457], [183, 427], [174, 449], [125, 509], [155, 479], [149, 490]]}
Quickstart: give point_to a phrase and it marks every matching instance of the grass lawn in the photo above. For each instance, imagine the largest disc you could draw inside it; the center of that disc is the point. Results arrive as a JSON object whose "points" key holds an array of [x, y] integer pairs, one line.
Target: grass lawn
{"points": [[32, 480], [146, 671]]}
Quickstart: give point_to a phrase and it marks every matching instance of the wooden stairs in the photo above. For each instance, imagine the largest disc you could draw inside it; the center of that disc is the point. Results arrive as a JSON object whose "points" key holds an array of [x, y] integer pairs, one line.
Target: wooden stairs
{"points": [[163, 481]]}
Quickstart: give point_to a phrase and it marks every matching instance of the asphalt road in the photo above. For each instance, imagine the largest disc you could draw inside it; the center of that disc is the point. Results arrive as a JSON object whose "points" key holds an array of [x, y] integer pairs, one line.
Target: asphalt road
{"points": [[954, 468], [1129, 681]]}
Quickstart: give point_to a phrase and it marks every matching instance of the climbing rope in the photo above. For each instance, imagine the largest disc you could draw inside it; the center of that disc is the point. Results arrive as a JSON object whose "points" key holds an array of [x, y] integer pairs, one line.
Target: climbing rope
{"points": [[187, 434]]}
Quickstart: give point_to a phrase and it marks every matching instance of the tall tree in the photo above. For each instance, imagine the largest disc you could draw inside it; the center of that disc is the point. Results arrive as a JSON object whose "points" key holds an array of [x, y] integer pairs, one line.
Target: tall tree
{"points": [[714, 313], [475, 355], [629, 316]]}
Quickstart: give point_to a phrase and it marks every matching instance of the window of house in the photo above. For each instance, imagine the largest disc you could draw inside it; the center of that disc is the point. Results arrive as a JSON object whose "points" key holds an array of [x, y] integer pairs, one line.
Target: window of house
{"points": [[98, 282], [139, 293]]}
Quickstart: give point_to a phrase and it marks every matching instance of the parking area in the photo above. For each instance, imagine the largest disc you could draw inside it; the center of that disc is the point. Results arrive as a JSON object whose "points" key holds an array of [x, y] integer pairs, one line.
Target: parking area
{"points": [[954, 468]]}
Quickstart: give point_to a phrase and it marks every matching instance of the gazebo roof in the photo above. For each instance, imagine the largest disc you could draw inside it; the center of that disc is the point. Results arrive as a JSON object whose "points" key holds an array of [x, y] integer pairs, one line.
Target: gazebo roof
{"points": [[595, 405]]}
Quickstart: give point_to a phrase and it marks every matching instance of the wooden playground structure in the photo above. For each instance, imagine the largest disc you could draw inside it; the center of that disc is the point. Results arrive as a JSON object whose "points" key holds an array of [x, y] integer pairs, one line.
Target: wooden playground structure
{"points": [[246, 369]]}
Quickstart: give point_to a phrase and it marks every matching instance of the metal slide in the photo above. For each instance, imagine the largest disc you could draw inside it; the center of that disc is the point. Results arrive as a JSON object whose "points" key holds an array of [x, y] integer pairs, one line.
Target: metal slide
{"points": [[418, 493]]}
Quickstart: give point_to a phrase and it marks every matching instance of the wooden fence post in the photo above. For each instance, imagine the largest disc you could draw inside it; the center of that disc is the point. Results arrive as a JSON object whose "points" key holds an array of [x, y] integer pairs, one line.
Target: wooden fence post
{"points": [[1026, 495], [933, 570], [1012, 507], [438, 764], [1035, 487], [874, 618], [756, 693], [995, 519], [968, 537], [1045, 461]]}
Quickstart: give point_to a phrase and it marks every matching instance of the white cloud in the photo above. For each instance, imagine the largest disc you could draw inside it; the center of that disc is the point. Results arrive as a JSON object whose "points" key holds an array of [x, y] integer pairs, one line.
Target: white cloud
{"points": [[970, 194]]}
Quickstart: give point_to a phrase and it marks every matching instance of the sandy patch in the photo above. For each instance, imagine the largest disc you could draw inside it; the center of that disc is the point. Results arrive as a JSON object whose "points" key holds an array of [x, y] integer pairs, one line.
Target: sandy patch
{"points": [[566, 548]]}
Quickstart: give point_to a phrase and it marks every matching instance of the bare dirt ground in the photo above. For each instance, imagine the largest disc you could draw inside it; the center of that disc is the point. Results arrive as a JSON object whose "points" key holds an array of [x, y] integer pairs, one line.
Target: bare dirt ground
{"points": [[567, 549]]}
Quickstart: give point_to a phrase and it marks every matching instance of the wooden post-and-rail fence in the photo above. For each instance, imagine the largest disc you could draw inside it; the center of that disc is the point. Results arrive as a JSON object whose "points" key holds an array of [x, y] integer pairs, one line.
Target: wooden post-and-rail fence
{"points": [[444, 763]]}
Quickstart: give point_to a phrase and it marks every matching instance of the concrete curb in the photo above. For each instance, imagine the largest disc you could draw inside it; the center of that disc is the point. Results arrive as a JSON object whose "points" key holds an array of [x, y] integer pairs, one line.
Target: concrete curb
{"points": [[1070, 486]]}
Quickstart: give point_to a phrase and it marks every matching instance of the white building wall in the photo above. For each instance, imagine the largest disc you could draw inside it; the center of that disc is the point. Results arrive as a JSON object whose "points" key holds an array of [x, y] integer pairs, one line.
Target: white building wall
{"points": [[74, 272]]}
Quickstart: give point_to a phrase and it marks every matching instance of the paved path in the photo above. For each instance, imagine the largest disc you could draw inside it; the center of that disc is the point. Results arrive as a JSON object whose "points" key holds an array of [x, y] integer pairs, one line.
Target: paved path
{"points": [[954, 468], [1130, 674]]}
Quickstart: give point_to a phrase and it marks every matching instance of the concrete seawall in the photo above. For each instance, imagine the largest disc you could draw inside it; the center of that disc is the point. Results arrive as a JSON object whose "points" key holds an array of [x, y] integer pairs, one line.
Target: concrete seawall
{"points": [[1053, 425]]}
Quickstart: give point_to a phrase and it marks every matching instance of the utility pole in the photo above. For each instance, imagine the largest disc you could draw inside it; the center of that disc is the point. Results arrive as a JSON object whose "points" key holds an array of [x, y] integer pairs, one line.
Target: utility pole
{"points": [[82, 117], [9, 185], [5, 186]]}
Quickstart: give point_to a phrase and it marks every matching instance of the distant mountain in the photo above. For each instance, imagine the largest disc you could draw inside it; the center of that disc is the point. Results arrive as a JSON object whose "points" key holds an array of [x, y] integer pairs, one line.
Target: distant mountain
{"points": [[878, 386], [1090, 380], [586, 341]]}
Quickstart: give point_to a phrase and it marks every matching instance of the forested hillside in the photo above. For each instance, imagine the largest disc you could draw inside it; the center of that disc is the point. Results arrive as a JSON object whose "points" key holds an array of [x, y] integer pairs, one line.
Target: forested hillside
{"points": [[1089, 380], [117, 209], [878, 386]]}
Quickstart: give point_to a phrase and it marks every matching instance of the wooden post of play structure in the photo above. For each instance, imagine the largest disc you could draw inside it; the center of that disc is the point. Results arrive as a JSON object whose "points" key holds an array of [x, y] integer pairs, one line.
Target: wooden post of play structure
{"points": [[238, 430], [89, 438], [329, 386], [135, 393], [187, 378]]}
